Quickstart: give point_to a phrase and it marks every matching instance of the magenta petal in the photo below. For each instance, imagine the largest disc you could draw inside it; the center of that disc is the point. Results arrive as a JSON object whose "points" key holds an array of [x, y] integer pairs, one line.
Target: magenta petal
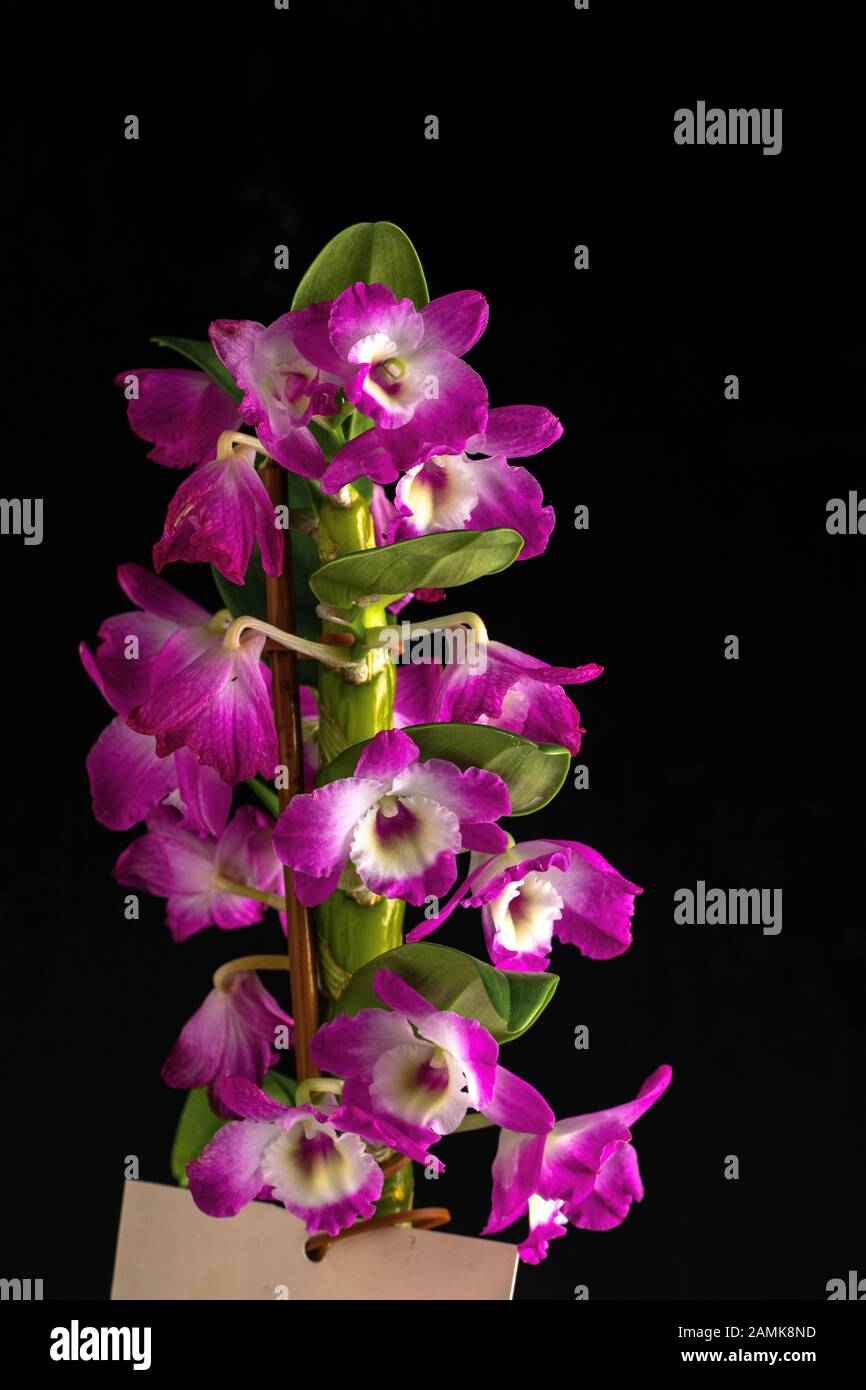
{"points": [[576, 1148], [449, 419], [383, 512], [234, 340], [516, 1170], [528, 856], [474, 1048], [519, 664], [364, 456], [363, 310], [231, 1034], [518, 1106], [216, 515], [203, 798], [155, 595], [547, 1220], [516, 431], [228, 1173], [654, 1087], [297, 451], [127, 778], [242, 1097], [282, 389], [186, 645], [598, 903], [419, 690], [173, 862], [219, 706], [574, 1152], [314, 832], [311, 890], [405, 1138], [387, 753], [550, 715], [484, 839], [617, 1185], [472, 794], [429, 595], [516, 692], [350, 1047], [378, 1130], [245, 851], [470, 694], [312, 339], [122, 666], [455, 321], [510, 496], [181, 411]]}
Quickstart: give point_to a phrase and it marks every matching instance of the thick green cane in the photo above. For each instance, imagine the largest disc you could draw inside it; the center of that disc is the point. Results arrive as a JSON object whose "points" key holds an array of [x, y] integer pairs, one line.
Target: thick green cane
{"points": [[353, 927]]}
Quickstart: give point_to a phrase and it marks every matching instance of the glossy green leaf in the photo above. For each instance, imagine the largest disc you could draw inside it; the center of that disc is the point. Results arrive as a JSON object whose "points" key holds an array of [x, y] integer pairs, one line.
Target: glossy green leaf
{"points": [[505, 1002], [375, 252], [440, 561], [532, 772], [198, 1124], [204, 357]]}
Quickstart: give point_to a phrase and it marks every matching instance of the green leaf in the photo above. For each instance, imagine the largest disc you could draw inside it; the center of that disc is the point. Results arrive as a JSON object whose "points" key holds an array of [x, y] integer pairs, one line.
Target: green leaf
{"points": [[267, 796], [532, 772], [204, 357], [247, 600], [358, 424], [426, 562], [505, 1002], [198, 1124], [471, 1122], [375, 252], [280, 1087]]}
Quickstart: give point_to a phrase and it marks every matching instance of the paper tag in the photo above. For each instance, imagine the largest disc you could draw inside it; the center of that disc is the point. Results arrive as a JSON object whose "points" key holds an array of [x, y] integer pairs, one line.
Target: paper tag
{"points": [[168, 1249]]}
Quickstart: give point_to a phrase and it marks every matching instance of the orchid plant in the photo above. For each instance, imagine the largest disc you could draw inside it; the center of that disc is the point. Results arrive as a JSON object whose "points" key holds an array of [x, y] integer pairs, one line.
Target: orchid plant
{"points": [[344, 461]]}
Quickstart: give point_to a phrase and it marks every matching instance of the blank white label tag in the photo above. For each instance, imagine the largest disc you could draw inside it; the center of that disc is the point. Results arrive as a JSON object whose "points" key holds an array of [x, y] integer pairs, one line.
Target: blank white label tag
{"points": [[168, 1249]]}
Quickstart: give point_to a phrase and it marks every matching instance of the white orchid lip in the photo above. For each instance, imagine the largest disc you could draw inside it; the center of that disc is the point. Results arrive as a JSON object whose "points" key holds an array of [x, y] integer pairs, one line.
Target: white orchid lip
{"points": [[441, 493], [421, 1084], [311, 1165], [375, 347], [390, 380], [400, 836], [524, 913]]}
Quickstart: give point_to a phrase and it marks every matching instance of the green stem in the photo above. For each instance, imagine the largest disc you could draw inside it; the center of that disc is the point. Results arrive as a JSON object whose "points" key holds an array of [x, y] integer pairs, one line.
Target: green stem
{"points": [[352, 930]]}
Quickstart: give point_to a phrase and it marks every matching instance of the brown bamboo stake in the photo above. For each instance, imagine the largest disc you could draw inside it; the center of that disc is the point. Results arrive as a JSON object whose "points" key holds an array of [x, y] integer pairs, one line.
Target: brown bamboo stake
{"points": [[287, 714]]}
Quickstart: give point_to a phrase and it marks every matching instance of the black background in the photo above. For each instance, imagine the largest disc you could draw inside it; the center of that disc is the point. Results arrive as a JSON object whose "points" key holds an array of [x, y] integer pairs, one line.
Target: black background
{"points": [[706, 519]]}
